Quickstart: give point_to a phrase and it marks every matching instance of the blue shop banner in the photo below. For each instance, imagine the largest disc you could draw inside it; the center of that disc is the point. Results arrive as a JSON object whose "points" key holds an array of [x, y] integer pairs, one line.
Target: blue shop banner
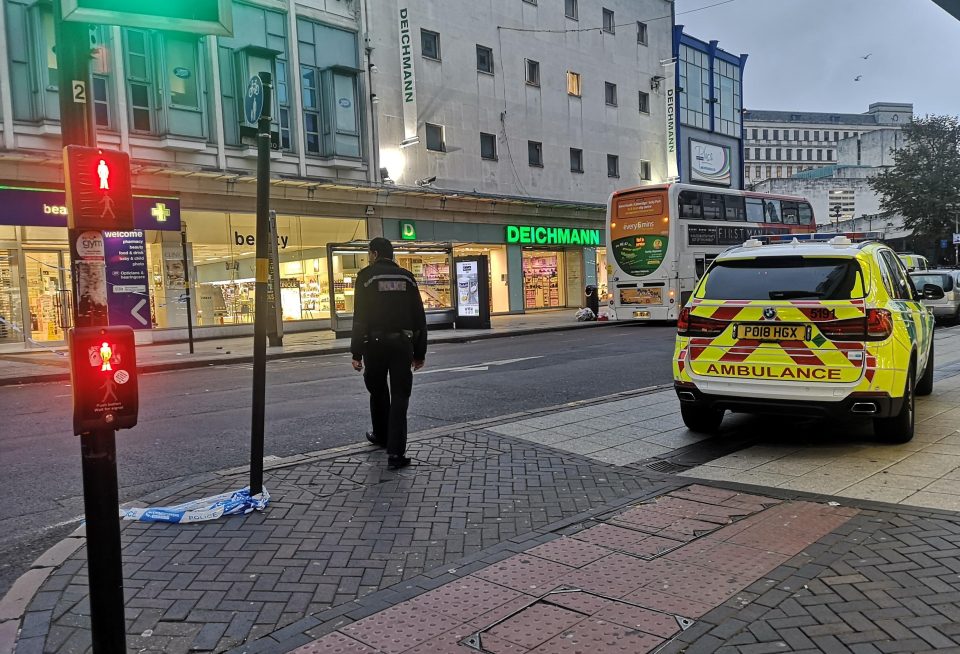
{"points": [[47, 208], [128, 290]]}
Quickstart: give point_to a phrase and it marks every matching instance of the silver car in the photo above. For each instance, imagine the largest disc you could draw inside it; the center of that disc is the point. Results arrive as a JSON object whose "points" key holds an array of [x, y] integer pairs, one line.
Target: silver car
{"points": [[948, 307]]}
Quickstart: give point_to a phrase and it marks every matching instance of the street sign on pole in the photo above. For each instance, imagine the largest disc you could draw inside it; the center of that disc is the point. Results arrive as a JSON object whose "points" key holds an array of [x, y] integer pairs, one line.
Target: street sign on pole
{"points": [[253, 100], [956, 239], [195, 16]]}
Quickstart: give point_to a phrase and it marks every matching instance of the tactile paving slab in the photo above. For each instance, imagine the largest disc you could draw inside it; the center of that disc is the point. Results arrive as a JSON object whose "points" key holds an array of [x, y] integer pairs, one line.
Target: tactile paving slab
{"points": [[465, 598], [569, 551], [536, 624], [335, 643], [399, 628], [528, 574], [599, 637], [728, 557]]}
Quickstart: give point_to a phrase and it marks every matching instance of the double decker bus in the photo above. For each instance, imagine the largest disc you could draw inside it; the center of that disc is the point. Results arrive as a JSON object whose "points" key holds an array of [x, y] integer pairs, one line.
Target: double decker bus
{"points": [[661, 239]]}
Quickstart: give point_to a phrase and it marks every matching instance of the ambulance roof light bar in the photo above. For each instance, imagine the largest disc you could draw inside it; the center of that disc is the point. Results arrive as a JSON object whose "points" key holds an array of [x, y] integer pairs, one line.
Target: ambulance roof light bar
{"points": [[851, 237]]}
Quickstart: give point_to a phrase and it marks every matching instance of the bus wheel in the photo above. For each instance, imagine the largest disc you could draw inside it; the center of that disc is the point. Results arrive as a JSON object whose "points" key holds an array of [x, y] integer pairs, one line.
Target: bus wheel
{"points": [[700, 418]]}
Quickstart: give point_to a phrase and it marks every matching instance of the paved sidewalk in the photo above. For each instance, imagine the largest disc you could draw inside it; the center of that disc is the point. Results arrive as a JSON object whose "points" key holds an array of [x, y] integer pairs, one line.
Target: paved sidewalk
{"points": [[50, 364]]}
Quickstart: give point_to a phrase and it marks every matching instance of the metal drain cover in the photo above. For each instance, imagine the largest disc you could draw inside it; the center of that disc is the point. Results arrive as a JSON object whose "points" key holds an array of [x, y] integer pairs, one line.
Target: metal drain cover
{"points": [[667, 467]]}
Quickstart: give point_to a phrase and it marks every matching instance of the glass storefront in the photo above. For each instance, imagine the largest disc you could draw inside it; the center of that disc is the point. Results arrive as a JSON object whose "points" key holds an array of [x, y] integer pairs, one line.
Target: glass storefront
{"points": [[223, 253], [49, 294], [11, 313], [544, 279]]}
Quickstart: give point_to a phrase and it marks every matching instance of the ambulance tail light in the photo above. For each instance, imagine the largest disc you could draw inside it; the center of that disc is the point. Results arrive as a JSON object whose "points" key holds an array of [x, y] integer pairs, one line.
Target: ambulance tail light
{"points": [[692, 325], [853, 329], [879, 324]]}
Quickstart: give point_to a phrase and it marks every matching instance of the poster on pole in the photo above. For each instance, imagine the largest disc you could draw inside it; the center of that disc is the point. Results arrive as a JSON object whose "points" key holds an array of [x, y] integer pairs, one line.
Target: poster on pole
{"points": [[128, 290]]}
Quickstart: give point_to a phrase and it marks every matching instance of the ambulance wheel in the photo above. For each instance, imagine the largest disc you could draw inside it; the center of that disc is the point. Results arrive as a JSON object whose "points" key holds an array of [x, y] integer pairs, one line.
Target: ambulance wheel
{"points": [[925, 383], [700, 418], [899, 428]]}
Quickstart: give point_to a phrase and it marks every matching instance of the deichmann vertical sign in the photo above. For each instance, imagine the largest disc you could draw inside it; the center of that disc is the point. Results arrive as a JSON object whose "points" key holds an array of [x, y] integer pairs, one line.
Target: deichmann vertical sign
{"points": [[553, 235], [673, 171], [408, 86]]}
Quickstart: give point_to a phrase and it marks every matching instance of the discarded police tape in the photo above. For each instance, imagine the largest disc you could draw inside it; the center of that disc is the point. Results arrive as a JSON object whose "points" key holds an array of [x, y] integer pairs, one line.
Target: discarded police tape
{"points": [[209, 508]]}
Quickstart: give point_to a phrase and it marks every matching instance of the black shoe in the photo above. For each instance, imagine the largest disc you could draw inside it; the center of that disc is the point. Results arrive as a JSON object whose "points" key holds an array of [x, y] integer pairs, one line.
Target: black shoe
{"points": [[373, 440], [397, 462]]}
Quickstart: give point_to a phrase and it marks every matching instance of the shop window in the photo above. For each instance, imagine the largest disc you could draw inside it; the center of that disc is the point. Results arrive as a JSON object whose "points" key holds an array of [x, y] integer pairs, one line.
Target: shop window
{"points": [[535, 153], [613, 165], [484, 59], [488, 146], [429, 44], [576, 160], [435, 140], [543, 277]]}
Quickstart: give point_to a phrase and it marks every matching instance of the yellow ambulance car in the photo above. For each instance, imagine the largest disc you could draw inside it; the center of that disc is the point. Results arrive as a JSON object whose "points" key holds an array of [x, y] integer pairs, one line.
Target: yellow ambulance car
{"points": [[823, 326]]}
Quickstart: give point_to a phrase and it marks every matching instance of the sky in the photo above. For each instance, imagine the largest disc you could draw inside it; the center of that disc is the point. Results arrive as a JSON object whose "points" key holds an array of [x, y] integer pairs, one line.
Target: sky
{"points": [[805, 54]]}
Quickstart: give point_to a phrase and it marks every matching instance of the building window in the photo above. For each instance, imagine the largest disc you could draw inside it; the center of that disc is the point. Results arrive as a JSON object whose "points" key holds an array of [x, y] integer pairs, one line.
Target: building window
{"points": [[484, 59], [101, 101], [779, 171], [799, 155], [769, 172], [139, 80], [644, 102], [533, 72], [310, 87], [610, 93], [535, 153], [746, 172], [645, 170], [829, 155], [429, 44], [641, 33], [488, 146], [765, 135], [806, 135], [613, 165], [727, 92], [846, 135], [816, 135], [836, 136], [776, 135], [283, 100], [796, 135], [789, 171], [789, 154], [530, 2], [182, 54], [435, 140], [573, 83], [609, 25], [769, 154], [779, 153], [576, 160], [754, 134], [819, 155], [695, 82], [756, 172], [809, 154], [756, 154], [570, 9]]}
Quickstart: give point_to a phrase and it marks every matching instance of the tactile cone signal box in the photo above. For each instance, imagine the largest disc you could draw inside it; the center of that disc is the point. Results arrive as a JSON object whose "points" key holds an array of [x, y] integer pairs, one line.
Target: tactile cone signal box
{"points": [[103, 372]]}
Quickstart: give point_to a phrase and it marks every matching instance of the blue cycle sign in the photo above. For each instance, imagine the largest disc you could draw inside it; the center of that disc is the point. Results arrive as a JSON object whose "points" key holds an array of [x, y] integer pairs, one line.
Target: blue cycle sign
{"points": [[253, 100]]}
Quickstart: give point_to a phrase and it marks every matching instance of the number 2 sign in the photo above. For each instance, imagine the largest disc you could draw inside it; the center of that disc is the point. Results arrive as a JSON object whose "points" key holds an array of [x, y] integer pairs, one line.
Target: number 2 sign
{"points": [[79, 91]]}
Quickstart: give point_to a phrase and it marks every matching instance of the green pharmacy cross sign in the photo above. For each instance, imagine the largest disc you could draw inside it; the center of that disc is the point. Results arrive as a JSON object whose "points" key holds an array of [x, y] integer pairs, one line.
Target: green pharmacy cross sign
{"points": [[536, 235], [195, 16]]}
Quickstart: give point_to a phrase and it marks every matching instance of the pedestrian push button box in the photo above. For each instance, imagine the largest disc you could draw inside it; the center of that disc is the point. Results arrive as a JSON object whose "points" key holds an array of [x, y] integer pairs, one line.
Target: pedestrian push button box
{"points": [[103, 373]]}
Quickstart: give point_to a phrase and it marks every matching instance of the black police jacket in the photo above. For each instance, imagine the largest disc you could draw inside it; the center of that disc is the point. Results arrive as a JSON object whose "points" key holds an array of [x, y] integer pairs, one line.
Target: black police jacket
{"points": [[387, 301]]}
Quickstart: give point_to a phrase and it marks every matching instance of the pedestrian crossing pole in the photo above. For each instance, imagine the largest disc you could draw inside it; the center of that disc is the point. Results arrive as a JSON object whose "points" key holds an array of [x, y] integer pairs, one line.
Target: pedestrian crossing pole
{"points": [[262, 277]]}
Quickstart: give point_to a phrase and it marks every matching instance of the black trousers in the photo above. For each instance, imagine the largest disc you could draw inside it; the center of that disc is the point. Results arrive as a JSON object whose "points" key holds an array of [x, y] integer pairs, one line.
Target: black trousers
{"points": [[390, 354]]}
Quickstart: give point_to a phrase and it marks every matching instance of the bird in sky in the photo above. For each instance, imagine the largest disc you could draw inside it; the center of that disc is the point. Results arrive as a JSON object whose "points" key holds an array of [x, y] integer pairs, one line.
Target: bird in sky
{"points": [[866, 56], [858, 78]]}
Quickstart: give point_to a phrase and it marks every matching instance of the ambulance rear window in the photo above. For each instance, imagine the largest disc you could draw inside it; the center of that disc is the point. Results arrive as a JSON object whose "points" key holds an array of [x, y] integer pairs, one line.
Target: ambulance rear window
{"points": [[784, 278]]}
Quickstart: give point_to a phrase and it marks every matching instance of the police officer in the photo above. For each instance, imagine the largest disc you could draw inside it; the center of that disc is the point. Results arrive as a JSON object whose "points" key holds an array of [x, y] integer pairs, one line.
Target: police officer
{"points": [[389, 337]]}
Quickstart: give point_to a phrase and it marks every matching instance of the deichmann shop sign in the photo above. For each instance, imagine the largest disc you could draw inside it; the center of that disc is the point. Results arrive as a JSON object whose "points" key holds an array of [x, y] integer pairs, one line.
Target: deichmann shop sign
{"points": [[527, 235], [671, 117], [407, 80]]}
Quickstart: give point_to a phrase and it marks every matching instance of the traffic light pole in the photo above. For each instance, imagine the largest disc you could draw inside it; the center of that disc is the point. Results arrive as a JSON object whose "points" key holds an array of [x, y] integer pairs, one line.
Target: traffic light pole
{"points": [[98, 448], [262, 275]]}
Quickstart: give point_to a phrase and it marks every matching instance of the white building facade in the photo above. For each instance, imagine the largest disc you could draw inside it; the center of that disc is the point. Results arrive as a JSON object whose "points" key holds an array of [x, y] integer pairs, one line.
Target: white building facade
{"points": [[781, 143], [518, 114]]}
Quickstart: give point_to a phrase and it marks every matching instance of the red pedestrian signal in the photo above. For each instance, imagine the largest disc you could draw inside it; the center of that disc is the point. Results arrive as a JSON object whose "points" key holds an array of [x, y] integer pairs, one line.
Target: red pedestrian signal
{"points": [[99, 193], [103, 373]]}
